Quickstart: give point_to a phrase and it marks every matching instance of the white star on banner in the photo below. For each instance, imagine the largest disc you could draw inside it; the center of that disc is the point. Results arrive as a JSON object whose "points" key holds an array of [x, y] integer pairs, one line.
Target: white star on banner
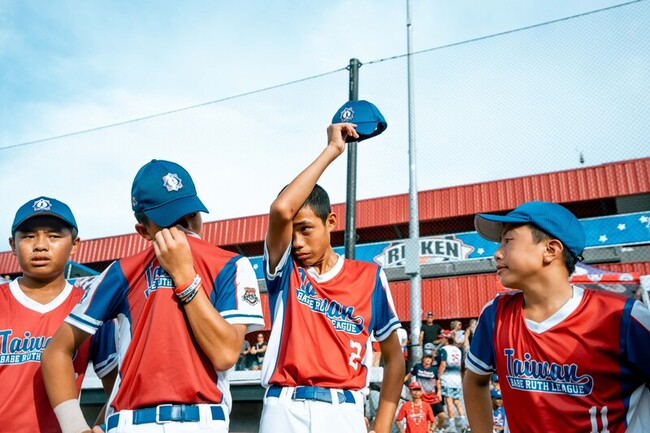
{"points": [[481, 251], [602, 238], [643, 219], [621, 227]]}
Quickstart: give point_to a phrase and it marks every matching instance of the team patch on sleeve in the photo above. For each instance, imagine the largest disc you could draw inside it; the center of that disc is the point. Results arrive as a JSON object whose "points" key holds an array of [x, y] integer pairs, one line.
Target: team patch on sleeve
{"points": [[250, 296]]}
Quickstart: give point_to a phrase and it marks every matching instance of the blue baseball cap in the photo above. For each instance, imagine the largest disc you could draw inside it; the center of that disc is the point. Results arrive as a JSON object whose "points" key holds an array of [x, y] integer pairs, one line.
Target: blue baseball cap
{"points": [[495, 393], [365, 115], [554, 219], [41, 206], [164, 192]]}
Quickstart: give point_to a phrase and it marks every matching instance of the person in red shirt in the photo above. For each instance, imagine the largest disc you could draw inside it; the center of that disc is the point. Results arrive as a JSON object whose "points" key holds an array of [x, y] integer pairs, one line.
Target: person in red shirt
{"points": [[419, 416]]}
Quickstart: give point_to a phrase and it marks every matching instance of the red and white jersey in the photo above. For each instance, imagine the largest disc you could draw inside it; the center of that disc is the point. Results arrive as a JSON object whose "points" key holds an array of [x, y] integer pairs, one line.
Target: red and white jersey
{"points": [[584, 369], [159, 359], [26, 327], [322, 323], [417, 416]]}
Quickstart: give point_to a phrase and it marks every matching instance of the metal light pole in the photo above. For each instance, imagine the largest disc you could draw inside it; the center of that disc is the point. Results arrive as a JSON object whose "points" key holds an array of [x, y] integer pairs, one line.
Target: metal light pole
{"points": [[412, 265], [351, 197]]}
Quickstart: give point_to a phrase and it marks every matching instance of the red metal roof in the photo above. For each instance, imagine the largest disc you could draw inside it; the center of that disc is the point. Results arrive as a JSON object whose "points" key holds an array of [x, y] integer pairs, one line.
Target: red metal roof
{"points": [[589, 183]]}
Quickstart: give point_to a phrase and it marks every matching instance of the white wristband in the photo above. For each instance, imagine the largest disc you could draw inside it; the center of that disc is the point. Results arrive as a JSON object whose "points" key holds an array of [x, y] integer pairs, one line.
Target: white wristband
{"points": [[70, 417]]}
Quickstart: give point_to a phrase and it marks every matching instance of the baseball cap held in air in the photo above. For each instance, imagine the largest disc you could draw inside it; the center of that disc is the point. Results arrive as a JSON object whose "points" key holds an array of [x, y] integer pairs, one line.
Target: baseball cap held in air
{"points": [[41, 206], [365, 115], [554, 219], [164, 192]]}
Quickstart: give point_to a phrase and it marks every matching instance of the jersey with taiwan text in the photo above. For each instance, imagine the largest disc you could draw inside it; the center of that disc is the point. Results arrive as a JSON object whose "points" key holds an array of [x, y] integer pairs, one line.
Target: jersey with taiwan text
{"points": [[322, 323], [584, 369], [26, 327], [159, 359]]}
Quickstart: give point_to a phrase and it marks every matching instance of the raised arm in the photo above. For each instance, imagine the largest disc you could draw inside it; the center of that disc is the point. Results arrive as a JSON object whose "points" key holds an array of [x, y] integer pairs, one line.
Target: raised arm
{"points": [[292, 197]]}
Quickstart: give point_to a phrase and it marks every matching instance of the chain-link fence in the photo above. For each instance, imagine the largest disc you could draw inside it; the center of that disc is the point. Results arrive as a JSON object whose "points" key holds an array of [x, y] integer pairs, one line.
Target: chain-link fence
{"points": [[551, 98]]}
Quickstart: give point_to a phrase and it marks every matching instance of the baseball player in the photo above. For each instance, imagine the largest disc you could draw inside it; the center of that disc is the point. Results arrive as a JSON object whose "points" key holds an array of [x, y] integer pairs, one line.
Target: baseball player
{"points": [[418, 415], [451, 382], [32, 307], [426, 374], [498, 413], [325, 307], [183, 307], [569, 359]]}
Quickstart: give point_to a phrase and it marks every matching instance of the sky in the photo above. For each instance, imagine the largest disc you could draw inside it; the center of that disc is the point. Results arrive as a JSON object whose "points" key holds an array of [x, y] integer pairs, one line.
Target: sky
{"points": [[69, 66]]}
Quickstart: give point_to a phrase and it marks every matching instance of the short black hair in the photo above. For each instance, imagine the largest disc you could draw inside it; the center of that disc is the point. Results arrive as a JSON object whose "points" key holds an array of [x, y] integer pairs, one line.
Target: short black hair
{"points": [[141, 218], [540, 235], [319, 202]]}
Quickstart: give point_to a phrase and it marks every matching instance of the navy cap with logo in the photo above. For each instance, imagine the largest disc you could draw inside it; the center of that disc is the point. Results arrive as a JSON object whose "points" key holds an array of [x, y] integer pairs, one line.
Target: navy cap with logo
{"points": [[554, 219], [42, 206], [365, 115], [164, 192]]}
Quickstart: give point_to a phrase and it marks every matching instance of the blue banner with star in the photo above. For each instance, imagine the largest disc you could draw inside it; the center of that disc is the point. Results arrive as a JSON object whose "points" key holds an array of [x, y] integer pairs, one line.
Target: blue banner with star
{"points": [[614, 230]]}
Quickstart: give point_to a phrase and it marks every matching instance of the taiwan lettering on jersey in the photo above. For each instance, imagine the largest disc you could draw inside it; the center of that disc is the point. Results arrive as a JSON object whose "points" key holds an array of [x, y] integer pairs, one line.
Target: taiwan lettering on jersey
{"points": [[157, 347], [322, 323], [453, 357], [26, 327], [427, 378], [583, 369]]}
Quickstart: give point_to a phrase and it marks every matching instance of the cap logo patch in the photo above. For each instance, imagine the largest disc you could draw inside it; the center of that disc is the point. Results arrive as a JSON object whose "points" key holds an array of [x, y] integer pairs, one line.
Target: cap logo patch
{"points": [[172, 182], [134, 202], [347, 114], [42, 204]]}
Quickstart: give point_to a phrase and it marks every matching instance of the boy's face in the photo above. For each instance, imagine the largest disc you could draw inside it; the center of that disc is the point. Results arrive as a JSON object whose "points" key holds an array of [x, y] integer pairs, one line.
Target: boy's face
{"points": [[191, 222], [311, 237], [497, 402], [42, 246], [518, 257], [427, 361]]}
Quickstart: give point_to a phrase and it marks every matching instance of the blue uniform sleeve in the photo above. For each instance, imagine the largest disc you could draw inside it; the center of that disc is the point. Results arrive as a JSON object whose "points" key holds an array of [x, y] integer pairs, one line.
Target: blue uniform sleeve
{"points": [[384, 319], [443, 355], [274, 277], [104, 299], [481, 359], [636, 339], [103, 353], [236, 294]]}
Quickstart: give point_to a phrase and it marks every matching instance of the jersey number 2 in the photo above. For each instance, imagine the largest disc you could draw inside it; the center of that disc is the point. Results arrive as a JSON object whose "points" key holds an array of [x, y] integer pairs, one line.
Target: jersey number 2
{"points": [[355, 356], [593, 412]]}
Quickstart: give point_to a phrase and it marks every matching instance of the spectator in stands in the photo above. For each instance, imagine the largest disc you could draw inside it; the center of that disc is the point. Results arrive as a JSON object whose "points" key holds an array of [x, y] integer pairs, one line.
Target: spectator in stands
{"points": [[498, 412], [457, 332], [494, 382], [430, 331], [418, 415], [469, 332], [426, 374], [258, 350], [449, 372], [243, 361]]}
